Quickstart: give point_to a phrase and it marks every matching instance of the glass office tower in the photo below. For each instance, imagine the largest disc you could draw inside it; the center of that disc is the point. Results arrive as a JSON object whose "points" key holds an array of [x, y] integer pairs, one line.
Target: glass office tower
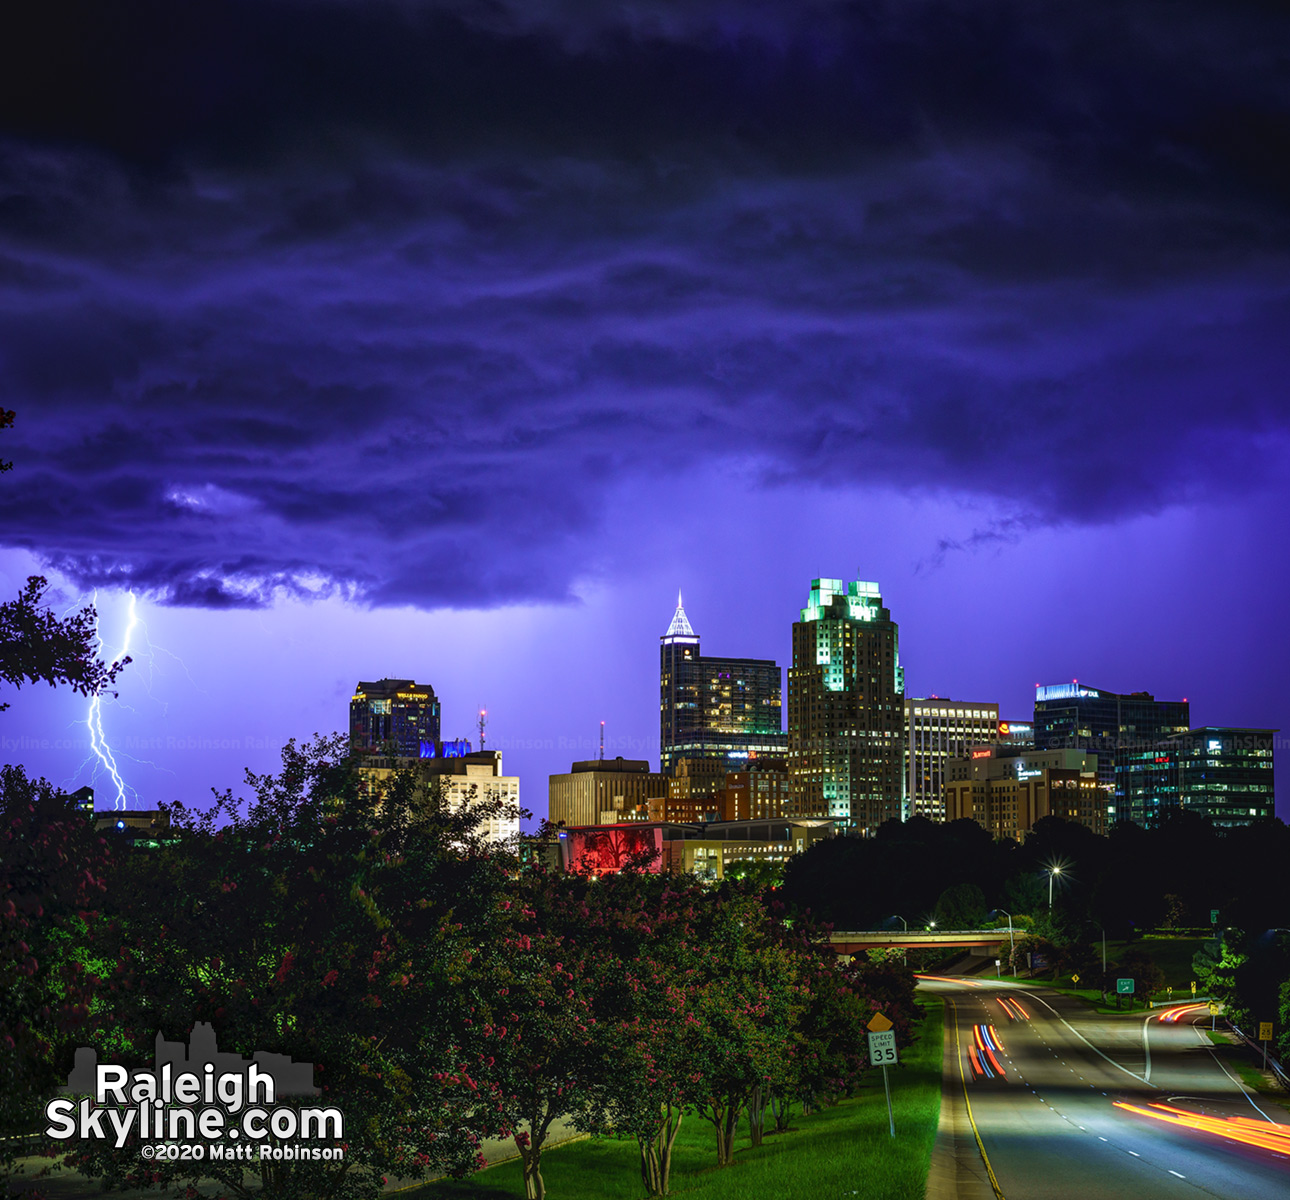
{"points": [[1224, 774], [719, 708], [1105, 723]]}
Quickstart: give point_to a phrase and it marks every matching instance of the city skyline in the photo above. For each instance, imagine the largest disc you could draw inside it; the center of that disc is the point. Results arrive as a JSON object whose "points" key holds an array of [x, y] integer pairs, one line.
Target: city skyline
{"points": [[446, 341]]}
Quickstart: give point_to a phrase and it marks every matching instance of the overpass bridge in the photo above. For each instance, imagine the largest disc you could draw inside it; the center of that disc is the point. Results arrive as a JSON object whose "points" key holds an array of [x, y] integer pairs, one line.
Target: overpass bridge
{"points": [[856, 941]]}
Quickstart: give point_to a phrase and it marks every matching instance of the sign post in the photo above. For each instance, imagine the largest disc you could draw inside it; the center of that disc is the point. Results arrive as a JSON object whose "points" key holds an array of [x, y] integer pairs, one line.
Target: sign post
{"points": [[1124, 987], [1265, 1036], [882, 1052], [1213, 1016]]}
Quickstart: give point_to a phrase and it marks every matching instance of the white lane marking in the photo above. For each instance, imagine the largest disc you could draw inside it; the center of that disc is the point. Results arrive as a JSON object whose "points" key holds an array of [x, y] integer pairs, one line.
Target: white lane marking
{"points": [[1146, 1048], [1083, 1039], [1213, 1053], [1178, 1173], [1135, 1154], [1100, 1138]]}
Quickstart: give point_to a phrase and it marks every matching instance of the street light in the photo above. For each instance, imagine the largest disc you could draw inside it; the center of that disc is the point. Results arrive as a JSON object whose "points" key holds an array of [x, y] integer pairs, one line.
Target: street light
{"points": [[904, 953], [1053, 872], [1012, 946]]}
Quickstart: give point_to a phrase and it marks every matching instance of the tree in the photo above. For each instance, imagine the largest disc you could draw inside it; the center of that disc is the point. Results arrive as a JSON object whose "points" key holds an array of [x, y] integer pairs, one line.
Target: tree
{"points": [[54, 876], [540, 1026], [961, 907], [36, 645], [646, 928], [745, 1001], [336, 924]]}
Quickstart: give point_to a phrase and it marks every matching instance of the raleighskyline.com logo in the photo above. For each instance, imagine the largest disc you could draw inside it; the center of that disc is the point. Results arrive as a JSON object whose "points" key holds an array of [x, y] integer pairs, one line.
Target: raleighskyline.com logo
{"points": [[193, 1092]]}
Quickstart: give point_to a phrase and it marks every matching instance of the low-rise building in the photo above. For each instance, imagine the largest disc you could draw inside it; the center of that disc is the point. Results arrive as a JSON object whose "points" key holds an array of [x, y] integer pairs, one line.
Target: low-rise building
{"points": [[706, 849], [1006, 789], [602, 788]]}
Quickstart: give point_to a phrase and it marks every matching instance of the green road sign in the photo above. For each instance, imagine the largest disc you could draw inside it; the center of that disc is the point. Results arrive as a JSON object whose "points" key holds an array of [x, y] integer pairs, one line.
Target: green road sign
{"points": [[1124, 987], [1213, 916]]}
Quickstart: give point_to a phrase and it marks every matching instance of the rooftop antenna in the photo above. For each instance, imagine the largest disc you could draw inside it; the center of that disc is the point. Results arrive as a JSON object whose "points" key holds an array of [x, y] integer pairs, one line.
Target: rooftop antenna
{"points": [[483, 721], [602, 741]]}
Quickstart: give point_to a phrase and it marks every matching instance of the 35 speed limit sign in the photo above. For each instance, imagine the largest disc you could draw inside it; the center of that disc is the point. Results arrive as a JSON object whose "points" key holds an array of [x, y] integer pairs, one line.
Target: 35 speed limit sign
{"points": [[882, 1048]]}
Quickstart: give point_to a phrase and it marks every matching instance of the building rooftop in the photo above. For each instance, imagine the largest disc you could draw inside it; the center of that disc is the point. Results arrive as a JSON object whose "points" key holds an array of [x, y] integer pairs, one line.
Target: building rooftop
{"points": [[680, 627]]}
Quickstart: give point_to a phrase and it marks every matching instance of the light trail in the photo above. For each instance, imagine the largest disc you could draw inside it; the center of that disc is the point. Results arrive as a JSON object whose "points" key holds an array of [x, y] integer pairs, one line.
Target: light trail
{"points": [[1245, 1130], [1171, 1015], [987, 1042]]}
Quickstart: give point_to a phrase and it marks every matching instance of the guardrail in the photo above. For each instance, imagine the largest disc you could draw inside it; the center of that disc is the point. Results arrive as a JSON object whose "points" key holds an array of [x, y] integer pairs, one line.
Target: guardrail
{"points": [[1257, 1047]]}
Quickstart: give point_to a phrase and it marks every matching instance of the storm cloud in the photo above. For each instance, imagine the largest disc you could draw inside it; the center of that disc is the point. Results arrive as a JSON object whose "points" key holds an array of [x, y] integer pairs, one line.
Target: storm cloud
{"points": [[388, 299]]}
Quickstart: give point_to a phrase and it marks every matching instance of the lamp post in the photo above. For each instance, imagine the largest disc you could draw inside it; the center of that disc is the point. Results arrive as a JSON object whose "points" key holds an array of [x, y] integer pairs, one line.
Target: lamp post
{"points": [[1012, 946], [1053, 872], [904, 953]]}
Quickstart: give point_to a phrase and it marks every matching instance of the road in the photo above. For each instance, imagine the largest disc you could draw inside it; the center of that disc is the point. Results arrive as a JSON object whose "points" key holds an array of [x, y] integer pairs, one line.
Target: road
{"points": [[1051, 1121]]}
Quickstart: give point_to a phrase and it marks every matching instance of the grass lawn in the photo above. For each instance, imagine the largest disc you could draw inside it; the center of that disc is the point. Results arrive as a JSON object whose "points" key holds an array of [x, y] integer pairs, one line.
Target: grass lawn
{"points": [[844, 1151]]}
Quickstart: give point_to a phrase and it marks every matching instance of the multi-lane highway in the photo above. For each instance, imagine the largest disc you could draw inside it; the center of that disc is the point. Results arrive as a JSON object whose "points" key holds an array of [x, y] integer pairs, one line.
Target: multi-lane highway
{"points": [[1063, 1103]]}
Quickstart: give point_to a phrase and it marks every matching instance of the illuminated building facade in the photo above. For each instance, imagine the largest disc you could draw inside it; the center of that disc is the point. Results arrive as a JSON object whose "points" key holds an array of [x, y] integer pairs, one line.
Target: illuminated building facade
{"points": [[1224, 774], [396, 717], [1017, 733], [1006, 789], [727, 709], [462, 780], [705, 849], [601, 790], [762, 792], [1104, 723], [846, 709], [936, 730]]}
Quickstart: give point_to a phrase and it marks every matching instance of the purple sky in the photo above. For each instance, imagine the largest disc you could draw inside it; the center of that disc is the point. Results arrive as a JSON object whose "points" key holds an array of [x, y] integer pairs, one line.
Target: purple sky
{"points": [[448, 339]]}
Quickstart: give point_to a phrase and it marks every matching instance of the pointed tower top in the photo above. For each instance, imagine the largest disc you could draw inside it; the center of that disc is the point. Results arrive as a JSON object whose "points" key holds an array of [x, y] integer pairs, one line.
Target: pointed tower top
{"points": [[680, 627]]}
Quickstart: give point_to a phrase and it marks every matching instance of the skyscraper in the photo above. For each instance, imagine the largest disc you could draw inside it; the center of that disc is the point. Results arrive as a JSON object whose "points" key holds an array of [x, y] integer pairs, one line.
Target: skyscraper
{"points": [[395, 716], [937, 729], [1105, 723], [723, 708], [846, 708]]}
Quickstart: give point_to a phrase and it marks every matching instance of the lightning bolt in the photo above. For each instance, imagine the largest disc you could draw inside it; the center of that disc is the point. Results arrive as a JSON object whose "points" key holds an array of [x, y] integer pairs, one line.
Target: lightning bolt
{"points": [[94, 718]]}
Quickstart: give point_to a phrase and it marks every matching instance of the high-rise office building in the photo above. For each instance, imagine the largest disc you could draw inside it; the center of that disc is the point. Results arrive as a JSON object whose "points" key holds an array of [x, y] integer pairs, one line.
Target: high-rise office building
{"points": [[1223, 774], [937, 729], [720, 708], [396, 717], [846, 708], [1104, 723]]}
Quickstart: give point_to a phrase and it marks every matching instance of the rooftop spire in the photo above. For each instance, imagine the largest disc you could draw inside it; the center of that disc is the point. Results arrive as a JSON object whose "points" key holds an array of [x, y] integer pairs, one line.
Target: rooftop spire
{"points": [[680, 626]]}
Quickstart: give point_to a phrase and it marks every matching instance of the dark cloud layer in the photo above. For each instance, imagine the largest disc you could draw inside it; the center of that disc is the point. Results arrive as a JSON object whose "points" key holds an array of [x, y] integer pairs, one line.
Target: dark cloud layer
{"points": [[388, 298]]}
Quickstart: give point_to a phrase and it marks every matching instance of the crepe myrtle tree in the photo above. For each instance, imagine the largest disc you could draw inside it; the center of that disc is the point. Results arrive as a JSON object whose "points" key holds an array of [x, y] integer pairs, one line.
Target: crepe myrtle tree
{"points": [[539, 1023], [649, 953], [336, 921], [745, 998], [53, 883]]}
